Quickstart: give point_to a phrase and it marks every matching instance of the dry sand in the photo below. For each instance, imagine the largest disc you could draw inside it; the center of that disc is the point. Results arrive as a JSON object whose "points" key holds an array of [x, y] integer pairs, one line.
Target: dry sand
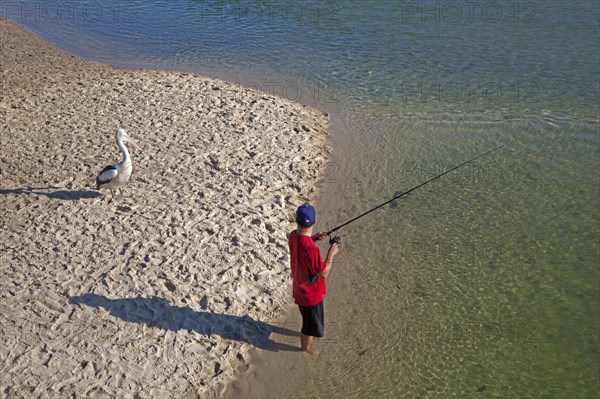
{"points": [[162, 293]]}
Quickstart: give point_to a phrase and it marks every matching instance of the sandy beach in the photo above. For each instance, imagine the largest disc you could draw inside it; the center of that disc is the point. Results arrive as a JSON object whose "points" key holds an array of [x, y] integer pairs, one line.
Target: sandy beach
{"points": [[161, 293]]}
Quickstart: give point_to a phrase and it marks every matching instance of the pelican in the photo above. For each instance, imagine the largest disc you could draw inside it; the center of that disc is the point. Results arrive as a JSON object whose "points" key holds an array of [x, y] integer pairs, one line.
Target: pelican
{"points": [[115, 176]]}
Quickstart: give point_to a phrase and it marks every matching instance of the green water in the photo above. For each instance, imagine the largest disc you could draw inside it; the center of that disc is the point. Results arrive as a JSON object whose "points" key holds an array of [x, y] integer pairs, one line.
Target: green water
{"points": [[483, 284]]}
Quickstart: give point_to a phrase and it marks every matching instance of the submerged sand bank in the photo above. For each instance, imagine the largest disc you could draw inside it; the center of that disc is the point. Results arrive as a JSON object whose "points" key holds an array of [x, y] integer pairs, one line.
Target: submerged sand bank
{"points": [[160, 294]]}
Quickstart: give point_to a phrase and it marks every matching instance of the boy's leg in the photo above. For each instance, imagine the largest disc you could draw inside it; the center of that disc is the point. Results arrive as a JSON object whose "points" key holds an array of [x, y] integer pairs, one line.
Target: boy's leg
{"points": [[312, 323], [305, 342]]}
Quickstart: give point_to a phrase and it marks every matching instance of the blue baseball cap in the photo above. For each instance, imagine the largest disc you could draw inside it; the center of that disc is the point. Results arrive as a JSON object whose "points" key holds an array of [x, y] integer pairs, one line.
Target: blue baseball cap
{"points": [[305, 215]]}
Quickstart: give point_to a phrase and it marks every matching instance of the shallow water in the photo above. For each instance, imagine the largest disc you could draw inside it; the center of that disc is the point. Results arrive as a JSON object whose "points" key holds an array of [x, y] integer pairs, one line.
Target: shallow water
{"points": [[484, 283]]}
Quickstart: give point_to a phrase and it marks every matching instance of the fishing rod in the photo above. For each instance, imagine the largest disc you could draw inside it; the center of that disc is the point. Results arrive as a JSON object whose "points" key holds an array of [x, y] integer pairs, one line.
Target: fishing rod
{"points": [[337, 239]]}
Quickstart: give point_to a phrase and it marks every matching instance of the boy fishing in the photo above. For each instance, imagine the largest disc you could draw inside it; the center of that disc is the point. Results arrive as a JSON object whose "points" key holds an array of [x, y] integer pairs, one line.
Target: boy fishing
{"points": [[309, 272]]}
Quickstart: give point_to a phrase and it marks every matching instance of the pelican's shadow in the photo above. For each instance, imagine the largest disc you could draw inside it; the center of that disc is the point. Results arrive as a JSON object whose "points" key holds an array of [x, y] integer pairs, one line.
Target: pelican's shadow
{"points": [[59, 194], [158, 312]]}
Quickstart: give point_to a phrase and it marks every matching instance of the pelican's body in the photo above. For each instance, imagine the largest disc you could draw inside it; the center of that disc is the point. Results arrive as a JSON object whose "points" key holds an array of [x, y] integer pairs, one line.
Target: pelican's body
{"points": [[115, 176]]}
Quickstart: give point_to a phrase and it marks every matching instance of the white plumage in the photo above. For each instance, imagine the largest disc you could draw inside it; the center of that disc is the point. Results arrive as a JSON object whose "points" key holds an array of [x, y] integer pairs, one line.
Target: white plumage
{"points": [[115, 176]]}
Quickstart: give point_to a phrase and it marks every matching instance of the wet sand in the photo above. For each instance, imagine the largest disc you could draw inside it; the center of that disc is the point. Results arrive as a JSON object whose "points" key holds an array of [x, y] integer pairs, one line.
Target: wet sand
{"points": [[162, 293]]}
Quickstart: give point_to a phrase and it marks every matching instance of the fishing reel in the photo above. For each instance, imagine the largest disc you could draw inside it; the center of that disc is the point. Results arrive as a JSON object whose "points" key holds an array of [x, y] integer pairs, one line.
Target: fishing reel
{"points": [[335, 240]]}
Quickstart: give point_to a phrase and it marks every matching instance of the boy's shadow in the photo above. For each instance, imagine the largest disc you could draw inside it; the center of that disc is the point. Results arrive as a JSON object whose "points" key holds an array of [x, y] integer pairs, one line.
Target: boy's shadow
{"points": [[158, 312]]}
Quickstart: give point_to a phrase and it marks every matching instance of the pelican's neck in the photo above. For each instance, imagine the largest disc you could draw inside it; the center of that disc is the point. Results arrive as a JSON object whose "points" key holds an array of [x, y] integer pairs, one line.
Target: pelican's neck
{"points": [[126, 157]]}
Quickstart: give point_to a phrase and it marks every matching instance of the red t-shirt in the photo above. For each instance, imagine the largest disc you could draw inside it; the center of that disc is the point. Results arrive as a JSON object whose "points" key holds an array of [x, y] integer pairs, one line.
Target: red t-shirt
{"points": [[304, 258]]}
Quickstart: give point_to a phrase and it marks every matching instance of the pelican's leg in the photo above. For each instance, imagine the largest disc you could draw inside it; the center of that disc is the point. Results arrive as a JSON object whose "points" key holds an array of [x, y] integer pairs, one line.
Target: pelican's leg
{"points": [[112, 194]]}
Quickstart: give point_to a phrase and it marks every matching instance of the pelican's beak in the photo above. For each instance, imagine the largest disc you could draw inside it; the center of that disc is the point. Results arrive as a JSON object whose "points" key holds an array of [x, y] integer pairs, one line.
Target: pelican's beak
{"points": [[132, 141]]}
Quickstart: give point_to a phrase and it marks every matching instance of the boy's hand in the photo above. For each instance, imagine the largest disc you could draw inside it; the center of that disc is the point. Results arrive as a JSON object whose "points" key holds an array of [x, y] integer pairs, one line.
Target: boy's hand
{"points": [[333, 250], [319, 236]]}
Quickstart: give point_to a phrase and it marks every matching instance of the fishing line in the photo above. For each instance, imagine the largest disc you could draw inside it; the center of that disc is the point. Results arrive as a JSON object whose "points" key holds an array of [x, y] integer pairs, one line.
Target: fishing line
{"points": [[337, 239]]}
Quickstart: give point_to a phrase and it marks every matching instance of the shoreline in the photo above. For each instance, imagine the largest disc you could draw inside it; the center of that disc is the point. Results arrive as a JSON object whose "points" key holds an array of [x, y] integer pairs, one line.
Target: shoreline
{"points": [[269, 374], [162, 292]]}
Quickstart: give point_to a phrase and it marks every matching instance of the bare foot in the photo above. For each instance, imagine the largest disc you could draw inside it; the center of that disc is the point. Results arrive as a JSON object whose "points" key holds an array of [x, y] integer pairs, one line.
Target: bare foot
{"points": [[310, 351]]}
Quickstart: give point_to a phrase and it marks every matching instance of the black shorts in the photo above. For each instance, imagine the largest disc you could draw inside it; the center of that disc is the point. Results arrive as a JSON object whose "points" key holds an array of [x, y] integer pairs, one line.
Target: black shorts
{"points": [[312, 319]]}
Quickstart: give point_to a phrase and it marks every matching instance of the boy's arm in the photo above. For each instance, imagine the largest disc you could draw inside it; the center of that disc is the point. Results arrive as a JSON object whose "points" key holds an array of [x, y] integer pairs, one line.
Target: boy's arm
{"points": [[333, 250], [319, 236]]}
